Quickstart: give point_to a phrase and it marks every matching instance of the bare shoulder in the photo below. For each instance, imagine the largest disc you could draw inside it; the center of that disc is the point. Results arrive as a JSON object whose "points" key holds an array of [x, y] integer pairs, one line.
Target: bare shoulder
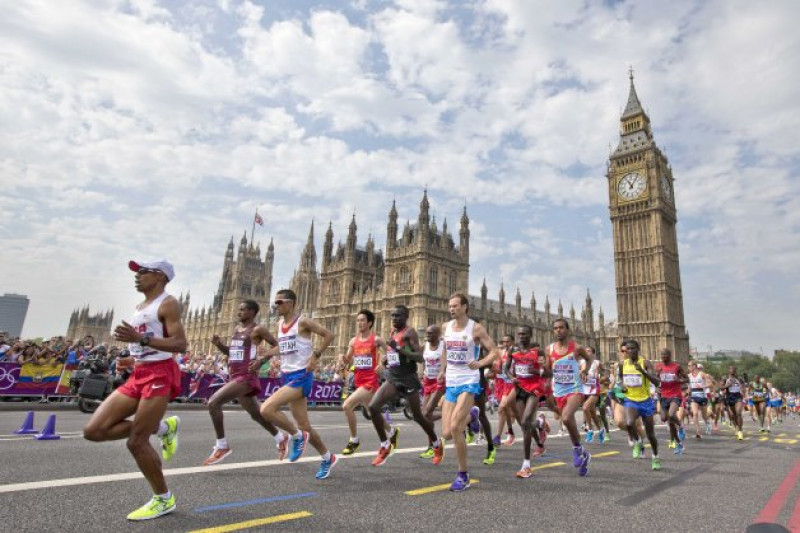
{"points": [[169, 307]]}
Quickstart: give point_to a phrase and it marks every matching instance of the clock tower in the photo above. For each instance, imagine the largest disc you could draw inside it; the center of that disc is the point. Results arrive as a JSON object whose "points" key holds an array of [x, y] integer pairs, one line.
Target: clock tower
{"points": [[643, 216]]}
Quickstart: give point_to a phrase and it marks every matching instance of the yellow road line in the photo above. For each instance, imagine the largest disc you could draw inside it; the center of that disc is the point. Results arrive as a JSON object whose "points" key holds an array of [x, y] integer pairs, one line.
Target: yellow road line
{"points": [[785, 441], [238, 526], [435, 488], [547, 465], [762, 439], [604, 454]]}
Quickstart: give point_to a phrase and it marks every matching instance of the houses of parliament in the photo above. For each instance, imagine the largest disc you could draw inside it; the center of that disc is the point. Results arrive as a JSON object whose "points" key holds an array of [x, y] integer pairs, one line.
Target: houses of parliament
{"points": [[423, 264]]}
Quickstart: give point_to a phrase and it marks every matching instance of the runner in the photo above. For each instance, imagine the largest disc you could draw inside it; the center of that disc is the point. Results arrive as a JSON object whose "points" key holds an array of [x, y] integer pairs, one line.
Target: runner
{"points": [[563, 357], [697, 383], [733, 388], [298, 361], [602, 406], [591, 391], [506, 394], [528, 377], [636, 375], [154, 334], [774, 404], [431, 390], [243, 384], [672, 378], [362, 354], [758, 393], [479, 421], [402, 356], [463, 338]]}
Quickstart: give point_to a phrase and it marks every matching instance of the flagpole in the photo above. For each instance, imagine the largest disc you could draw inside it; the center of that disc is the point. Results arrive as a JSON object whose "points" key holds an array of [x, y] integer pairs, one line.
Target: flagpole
{"points": [[253, 232]]}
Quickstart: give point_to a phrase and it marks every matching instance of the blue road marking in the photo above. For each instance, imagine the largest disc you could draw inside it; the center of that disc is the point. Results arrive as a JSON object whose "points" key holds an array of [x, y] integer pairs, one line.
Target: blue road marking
{"points": [[253, 502]]}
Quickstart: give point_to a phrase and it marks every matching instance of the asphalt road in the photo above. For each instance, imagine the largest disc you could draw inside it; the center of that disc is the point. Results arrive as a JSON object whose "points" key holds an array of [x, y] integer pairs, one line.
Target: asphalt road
{"points": [[719, 484]]}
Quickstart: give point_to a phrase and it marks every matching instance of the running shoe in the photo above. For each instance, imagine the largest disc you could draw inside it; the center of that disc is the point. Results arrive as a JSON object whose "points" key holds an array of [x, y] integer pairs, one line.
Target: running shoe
{"points": [[157, 506], [490, 457], [606, 438], [697, 436], [656, 464], [524, 472], [739, 435], [470, 437], [217, 455], [510, 438], [427, 454], [681, 434], [283, 447], [708, 428], [438, 452], [679, 449], [169, 441], [577, 456], [716, 427], [538, 452], [583, 468], [638, 448], [672, 443], [351, 448], [394, 438], [762, 430], [461, 483], [298, 447], [383, 454], [542, 435], [474, 423], [496, 440], [601, 436], [589, 435], [325, 467]]}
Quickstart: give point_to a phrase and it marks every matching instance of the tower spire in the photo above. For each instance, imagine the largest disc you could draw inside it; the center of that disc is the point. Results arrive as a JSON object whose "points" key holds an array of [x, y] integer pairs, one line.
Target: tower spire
{"points": [[633, 107]]}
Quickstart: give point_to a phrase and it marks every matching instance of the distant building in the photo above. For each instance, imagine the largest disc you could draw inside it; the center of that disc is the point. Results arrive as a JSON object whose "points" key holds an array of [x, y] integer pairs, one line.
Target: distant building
{"points": [[13, 309], [81, 323]]}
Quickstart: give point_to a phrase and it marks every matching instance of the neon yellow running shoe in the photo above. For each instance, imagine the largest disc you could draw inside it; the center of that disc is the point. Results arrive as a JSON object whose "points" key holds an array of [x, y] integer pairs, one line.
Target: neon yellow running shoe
{"points": [[490, 457], [156, 507], [427, 454], [169, 441], [656, 463], [470, 437], [638, 447]]}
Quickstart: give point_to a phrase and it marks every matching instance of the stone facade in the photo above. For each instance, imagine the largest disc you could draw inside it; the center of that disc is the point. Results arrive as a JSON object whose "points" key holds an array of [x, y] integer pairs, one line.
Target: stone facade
{"points": [[643, 216], [98, 325]]}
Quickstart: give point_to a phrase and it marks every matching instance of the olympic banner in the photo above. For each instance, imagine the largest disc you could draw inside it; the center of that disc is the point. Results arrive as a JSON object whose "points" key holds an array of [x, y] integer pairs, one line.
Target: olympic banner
{"points": [[36, 380]]}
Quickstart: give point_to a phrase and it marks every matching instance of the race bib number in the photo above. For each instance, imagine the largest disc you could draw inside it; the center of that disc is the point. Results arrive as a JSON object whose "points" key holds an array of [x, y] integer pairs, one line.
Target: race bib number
{"points": [[698, 393], [135, 349], [735, 388], [563, 374], [591, 382], [288, 345], [523, 371], [392, 358], [758, 394], [632, 380], [668, 378], [363, 362], [236, 355], [457, 357], [431, 371]]}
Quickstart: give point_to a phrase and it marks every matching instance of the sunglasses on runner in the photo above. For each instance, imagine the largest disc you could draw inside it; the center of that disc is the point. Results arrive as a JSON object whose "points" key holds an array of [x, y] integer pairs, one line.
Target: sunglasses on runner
{"points": [[148, 271], [280, 302]]}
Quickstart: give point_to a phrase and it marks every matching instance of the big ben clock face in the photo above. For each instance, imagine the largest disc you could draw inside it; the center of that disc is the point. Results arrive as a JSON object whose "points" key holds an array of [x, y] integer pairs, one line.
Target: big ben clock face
{"points": [[631, 186]]}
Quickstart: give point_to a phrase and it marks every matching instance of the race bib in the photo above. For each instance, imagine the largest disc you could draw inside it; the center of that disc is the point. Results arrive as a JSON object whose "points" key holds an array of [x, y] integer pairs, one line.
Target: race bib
{"points": [[363, 362], [668, 378], [288, 345], [457, 357], [734, 388], [236, 355], [758, 394], [698, 393], [523, 371], [632, 380], [392, 358], [431, 371], [563, 374], [591, 382]]}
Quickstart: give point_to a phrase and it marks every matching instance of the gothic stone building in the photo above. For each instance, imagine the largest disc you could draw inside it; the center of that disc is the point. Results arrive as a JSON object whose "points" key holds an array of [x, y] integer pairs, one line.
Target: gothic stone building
{"points": [[81, 323]]}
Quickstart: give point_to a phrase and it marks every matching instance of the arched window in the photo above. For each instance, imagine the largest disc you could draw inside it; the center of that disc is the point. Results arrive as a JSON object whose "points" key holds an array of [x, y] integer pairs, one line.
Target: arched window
{"points": [[433, 281], [451, 281]]}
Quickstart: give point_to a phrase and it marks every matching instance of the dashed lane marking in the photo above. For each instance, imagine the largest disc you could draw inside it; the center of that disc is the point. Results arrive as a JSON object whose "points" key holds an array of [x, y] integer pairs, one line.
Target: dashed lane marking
{"points": [[238, 526], [435, 488]]}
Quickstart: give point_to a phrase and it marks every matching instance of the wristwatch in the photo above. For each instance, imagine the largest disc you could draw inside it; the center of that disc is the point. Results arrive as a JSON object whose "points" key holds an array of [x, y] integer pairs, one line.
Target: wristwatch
{"points": [[317, 353], [145, 341]]}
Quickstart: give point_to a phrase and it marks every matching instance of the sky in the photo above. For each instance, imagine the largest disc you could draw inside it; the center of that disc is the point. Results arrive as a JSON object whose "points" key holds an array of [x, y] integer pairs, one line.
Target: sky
{"points": [[144, 129]]}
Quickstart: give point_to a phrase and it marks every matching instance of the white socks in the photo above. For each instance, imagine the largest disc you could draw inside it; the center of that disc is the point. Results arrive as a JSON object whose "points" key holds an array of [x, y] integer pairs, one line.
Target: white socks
{"points": [[222, 444]]}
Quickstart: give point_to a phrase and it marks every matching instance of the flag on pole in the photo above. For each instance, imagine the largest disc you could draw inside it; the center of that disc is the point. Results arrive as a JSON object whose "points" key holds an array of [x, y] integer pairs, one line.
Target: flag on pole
{"points": [[259, 220]]}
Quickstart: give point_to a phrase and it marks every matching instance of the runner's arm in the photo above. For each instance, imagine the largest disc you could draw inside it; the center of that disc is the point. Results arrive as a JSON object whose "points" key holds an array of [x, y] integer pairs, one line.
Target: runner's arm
{"points": [[411, 348], [486, 341], [651, 375], [319, 329]]}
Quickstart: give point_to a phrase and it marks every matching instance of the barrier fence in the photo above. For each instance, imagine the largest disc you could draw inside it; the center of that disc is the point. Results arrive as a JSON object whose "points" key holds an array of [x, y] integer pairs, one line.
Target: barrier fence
{"points": [[53, 380]]}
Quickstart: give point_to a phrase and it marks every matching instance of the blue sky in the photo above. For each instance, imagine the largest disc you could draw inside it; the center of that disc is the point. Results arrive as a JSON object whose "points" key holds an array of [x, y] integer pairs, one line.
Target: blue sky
{"points": [[144, 128]]}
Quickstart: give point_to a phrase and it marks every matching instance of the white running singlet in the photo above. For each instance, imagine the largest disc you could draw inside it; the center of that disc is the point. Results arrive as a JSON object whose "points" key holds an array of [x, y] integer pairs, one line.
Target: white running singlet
{"points": [[295, 349], [146, 322]]}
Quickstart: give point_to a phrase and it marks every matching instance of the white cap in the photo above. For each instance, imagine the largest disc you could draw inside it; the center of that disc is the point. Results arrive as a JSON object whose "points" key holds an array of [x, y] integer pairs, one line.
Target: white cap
{"points": [[699, 366], [161, 264]]}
